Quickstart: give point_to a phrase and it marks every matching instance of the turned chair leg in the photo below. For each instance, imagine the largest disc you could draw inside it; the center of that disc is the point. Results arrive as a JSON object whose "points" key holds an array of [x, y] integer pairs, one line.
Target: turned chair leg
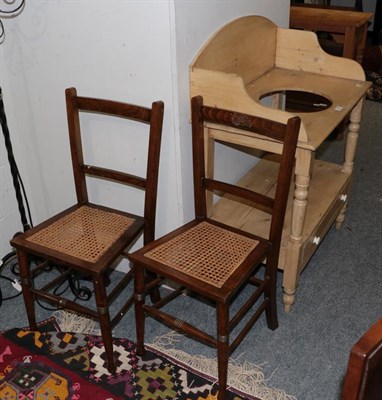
{"points": [[222, 347], [26, 282], [104, 320], [139, 285]]}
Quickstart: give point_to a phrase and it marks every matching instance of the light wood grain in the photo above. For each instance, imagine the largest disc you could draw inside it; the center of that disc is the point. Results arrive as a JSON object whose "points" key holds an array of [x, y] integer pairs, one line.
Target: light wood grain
{"points": [[248, 59]]}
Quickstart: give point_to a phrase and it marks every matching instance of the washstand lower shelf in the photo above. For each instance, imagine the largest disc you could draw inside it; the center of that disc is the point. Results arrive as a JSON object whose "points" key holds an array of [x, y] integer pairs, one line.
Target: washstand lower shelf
{"points": [[327, 199]]}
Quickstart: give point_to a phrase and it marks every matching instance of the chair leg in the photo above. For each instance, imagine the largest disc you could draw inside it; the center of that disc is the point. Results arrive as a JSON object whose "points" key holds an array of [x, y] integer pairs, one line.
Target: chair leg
{"points": [[104, 320], [154, 293], [148, 237], [139, 288], [222, 310], [271, 294], [25, 275]]}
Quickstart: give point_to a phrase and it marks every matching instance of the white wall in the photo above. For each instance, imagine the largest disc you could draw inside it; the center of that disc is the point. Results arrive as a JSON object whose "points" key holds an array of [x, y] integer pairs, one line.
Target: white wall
{"points": [[136, 51], [112, 49]]}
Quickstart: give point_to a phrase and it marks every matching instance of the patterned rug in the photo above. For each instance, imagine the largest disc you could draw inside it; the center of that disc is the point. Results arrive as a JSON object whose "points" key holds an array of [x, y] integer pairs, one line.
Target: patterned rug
{"points": [[55, 365]]}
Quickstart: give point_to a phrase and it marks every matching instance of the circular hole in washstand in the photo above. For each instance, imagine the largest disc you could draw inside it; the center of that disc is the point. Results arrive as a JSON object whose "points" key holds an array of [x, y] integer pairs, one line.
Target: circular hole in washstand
{"points": [[296, 101]]}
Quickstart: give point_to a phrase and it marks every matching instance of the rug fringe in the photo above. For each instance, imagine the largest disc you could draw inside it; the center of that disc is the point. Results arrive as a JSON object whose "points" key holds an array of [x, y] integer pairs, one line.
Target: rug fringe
{"points": [[245, 377], [76, 323]]}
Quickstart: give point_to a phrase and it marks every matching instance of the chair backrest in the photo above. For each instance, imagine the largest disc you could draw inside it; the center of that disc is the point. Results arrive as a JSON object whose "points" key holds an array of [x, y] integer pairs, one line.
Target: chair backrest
{"points": [[363, 380], [287, 134], [152, 116]]}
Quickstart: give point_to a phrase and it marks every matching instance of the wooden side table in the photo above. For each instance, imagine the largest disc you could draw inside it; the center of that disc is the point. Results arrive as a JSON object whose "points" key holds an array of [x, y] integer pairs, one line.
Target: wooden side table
{"points": [[249, 59], [351, 24]]}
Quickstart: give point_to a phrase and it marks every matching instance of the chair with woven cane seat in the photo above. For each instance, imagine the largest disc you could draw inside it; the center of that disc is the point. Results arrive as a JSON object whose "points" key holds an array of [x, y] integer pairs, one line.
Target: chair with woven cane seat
{"points": [[210, 259], [87, 238]]}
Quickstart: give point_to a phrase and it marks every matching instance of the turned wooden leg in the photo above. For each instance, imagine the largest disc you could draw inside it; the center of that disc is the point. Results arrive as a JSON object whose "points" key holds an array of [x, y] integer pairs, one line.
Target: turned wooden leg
{"points": [[350, 149], [222, 347], [303, 168], [139, 287], [26, 284], [341, 217], [288, 299], [291, 269], [104, 320], [352, 138]]}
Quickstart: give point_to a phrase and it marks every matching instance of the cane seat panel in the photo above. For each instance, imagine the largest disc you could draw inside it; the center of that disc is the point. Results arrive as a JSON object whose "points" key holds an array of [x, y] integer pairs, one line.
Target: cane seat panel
{"points": [[85, 233], [206, 252]]}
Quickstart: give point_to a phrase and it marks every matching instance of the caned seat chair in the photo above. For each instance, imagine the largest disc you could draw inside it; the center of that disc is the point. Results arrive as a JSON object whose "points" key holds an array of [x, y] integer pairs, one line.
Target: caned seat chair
{"points": [[363, 380], [212, 260], [87, 238]]}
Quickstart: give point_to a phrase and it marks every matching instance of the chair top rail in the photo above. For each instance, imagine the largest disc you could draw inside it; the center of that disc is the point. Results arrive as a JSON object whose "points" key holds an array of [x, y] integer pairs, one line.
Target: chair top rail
{"points": [[273, 129], [112, 107]]}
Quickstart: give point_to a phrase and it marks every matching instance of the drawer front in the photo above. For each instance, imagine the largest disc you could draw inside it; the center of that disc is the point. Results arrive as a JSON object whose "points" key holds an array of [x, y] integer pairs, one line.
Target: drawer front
{"points": [[314, 239]]}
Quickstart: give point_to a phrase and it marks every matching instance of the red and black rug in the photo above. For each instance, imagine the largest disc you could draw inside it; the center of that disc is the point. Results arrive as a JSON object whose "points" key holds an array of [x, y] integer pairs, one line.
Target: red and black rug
{"points": [[53, 365]]}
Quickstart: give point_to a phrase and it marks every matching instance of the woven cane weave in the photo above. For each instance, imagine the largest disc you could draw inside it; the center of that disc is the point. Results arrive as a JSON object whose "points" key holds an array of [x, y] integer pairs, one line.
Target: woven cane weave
{"points": [[206, 252], [86, 233]]}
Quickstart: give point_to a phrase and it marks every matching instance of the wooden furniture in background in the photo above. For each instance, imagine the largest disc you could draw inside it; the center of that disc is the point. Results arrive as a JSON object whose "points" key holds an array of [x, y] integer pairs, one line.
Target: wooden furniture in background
{"points": [[249, 60], [212, 260], [363, 380], [351, 24], [87, 238]]}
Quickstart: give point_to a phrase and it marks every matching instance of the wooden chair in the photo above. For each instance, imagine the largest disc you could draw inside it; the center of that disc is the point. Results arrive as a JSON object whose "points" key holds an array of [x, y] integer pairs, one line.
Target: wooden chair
{"points": [[363, 380], [214, 260], [88, 238]]}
